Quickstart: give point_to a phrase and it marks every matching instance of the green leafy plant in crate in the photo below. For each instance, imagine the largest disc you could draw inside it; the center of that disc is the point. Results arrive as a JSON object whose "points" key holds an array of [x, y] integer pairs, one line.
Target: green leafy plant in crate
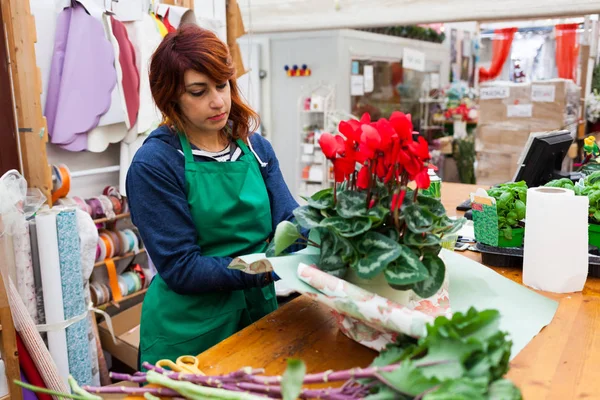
{"points": [[370, 222], [511, 200]]}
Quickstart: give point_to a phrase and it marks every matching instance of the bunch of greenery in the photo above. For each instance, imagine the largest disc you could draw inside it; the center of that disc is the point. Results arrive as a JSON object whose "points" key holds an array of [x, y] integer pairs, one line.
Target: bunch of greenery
{"points": [[511, 199]]}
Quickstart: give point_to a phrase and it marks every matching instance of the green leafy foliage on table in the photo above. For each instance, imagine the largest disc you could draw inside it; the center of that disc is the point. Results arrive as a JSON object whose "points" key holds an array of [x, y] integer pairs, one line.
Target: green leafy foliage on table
{"points": [[590, 187], [463, 151], [462, 358], [511, 199]]}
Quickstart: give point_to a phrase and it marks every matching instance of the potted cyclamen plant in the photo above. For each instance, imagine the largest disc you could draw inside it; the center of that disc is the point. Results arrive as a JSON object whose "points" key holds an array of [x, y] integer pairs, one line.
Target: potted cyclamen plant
{"points": [[374, 230]]}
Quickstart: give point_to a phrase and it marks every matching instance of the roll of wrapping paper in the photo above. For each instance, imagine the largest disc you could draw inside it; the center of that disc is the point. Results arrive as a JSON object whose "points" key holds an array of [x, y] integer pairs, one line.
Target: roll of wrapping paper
{"points": [[73, 298], [65, 184], [37, 274], [24, 268], [52, 288], [113, 280], [29, 369], [36, 347]]}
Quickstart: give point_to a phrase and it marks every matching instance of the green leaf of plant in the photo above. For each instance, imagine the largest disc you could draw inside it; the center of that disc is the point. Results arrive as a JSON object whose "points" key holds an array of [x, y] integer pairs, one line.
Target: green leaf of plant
{"points": [[343, 247], [377, 252], [417, 218], [460, 389], [308, 217], [408, 379], [504, 389], [378, 213], [406, 270], [448, 226], [322, 200], [293, 377], [351, 204], [433, 205], [507, 232], [420, 240], [520, 209], [437, 271], [329, 260], [385, 393], [286, 235], [347, 227], [504, 199]]}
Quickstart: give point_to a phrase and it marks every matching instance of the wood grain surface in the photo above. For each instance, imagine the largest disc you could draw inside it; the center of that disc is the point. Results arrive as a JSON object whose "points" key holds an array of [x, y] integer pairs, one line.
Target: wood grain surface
{"points": [[559, 363]]}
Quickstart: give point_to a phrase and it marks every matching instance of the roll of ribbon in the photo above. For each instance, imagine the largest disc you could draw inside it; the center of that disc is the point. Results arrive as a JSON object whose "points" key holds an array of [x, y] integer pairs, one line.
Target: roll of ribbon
{"points": [[116, 239], [105, 292], [107, 206], [138, 269], [131, 279], [95, 294], [108, 245], [133, 240], [126, 242], [113, 280], [83, 205], [56, 178], [65, 186], [117, 207], [96, 208], [102, 247], [123, 285], [98, 251]]}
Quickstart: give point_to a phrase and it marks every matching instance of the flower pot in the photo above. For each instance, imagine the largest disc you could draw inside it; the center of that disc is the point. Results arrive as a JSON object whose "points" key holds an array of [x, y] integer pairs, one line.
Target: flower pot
{"points": [[594, 235], [380, 286], [517, 238]]}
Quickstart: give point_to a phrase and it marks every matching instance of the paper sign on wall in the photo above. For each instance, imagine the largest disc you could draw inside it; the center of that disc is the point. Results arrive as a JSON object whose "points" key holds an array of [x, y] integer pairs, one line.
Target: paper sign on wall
{"points": [[519, 110], [494, 92], [413, 59], [357, 85], [543, 93], [368, 77], [434, 81]]}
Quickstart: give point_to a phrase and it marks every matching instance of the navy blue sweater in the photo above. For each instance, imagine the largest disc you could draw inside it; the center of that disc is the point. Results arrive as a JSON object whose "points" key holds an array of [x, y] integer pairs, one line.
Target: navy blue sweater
{"points": [[159, 208]]}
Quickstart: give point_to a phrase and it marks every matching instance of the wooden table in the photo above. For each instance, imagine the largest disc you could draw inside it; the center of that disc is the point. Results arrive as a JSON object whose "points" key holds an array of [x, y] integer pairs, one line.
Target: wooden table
{"points": [[560, 363]]}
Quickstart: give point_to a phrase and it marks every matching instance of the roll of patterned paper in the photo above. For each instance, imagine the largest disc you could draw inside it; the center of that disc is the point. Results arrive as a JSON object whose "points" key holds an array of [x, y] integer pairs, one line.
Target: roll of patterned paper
{"points": [[37, 273], [24, 268], [88, 239], [42, 358], [73, 299], [52, 289], [29, 370]]}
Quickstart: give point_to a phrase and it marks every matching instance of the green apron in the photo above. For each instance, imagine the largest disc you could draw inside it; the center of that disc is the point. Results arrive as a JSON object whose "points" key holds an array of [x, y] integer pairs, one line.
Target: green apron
{"points": [[231, 210]]}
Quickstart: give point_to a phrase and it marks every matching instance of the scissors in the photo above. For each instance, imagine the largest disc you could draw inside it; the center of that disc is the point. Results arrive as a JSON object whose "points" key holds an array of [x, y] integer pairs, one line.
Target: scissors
{"points": [[184, 364]]}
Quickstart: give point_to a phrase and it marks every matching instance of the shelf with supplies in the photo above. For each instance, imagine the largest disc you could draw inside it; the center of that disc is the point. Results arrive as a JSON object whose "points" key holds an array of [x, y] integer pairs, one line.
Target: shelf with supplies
{"points": [[116, 305], [124, 256]]}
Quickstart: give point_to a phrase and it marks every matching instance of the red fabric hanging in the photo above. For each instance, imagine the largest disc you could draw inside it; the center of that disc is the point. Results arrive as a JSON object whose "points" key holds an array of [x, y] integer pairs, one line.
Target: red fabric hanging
{"points": [[165, 20], [567, 50], [500, 50], [29, 369]]}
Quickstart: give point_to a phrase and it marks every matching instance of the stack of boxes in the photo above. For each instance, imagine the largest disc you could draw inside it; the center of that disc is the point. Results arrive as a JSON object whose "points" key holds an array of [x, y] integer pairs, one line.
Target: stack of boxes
{"points": [[509, 112]]}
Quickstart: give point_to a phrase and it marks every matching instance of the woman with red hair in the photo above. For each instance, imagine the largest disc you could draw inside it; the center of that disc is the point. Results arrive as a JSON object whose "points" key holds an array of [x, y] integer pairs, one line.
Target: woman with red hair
{"points": [[202, 190]]}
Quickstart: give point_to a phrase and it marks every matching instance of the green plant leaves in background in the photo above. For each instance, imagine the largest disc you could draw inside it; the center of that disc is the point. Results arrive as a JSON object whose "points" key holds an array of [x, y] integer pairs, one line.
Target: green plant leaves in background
{"points": [[322, 200], [417, 218], [347, 227], [292, 380]]}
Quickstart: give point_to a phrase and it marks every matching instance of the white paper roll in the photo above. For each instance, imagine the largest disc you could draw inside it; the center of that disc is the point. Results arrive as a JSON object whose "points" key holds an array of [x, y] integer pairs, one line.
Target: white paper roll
{"points": [[51, 284], [556, 240]]}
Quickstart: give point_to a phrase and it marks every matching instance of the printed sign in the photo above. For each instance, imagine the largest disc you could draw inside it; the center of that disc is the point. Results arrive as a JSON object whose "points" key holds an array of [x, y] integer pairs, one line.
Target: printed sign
{"points": [[494, 92], [543, 93], [369, 82], [357, 85], [519, 110], [413, 59]]}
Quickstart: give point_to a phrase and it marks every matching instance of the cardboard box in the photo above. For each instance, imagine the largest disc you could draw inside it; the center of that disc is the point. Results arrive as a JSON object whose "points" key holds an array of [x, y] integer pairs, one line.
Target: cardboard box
{"points": [[555, 101], [126, 326], [504, 102], [495, 167], [501, 138]]}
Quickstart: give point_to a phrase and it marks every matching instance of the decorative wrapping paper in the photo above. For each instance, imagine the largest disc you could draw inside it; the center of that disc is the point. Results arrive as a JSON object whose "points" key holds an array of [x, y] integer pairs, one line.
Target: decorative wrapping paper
{"points": [[34, 343], [470, 284], [24, 269], [88, 239], [73, 299], [37, 273]]}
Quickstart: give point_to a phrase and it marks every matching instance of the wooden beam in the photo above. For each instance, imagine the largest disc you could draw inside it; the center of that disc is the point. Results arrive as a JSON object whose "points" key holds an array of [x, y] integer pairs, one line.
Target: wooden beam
{"points": [[9, 151], [26, 79], [299, 15]]}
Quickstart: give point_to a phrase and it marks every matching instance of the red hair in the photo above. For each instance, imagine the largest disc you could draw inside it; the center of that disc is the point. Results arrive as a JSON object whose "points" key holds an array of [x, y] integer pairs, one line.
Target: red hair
{"points": [[194, 48]]}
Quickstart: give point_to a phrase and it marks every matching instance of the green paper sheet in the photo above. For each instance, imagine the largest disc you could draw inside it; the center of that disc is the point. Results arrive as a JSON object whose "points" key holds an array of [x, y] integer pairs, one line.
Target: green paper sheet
{"points": [[524, 312]]}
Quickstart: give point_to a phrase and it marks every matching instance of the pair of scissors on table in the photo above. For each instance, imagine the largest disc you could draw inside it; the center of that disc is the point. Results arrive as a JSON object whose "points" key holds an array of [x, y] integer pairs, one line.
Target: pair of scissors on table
{"points": [[184, 364]]}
